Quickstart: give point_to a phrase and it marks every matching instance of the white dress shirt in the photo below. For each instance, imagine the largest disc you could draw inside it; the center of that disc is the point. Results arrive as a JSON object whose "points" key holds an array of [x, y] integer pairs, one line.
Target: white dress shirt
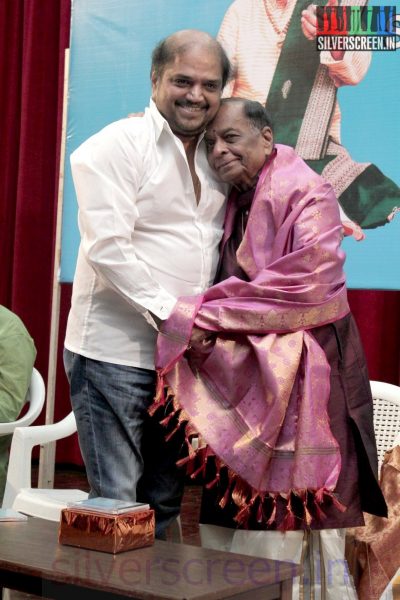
{"points": [[144, 239]]}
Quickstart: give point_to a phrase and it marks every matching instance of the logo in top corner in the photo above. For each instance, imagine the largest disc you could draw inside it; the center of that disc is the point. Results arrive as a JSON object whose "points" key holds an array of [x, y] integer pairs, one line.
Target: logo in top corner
{"points": [[360, 28]]}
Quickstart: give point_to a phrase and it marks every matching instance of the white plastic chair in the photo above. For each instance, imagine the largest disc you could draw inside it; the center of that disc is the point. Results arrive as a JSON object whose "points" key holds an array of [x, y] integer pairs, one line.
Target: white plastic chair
{"points": [[386, 399], [19, 494], [35, 398]]}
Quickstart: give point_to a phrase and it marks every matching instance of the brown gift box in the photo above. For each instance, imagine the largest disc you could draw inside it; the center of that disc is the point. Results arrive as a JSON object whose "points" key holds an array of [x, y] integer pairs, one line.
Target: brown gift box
{"points": [[107, 532]]}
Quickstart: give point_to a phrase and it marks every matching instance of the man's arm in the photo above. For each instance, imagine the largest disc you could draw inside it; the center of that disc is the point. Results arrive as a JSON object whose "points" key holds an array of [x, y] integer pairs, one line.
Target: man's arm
{"points": [[107, 171], [17, 357]]}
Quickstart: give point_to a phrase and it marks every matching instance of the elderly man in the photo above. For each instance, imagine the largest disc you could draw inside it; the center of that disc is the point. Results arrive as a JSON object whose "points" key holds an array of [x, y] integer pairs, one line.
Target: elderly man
{"points": [[150, 216], [267, 365]]}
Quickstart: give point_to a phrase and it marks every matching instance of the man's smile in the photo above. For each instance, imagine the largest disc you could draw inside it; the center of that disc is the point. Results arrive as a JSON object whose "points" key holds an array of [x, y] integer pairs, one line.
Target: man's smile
{"points": [[191, 108]]}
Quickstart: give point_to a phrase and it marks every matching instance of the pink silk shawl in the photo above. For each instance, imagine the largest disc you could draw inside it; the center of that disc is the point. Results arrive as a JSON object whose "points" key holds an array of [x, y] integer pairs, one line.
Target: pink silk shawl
{"points": [[259, 400]]}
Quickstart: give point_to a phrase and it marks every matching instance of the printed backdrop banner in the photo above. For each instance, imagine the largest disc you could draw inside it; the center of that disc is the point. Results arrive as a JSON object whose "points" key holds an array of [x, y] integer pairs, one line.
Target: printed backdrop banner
{"points": [[111, 44]]}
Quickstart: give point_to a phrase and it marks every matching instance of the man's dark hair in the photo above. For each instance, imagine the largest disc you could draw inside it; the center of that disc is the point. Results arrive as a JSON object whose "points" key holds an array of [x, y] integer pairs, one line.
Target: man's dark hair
{"points": [[167, 49], [255, 112]]}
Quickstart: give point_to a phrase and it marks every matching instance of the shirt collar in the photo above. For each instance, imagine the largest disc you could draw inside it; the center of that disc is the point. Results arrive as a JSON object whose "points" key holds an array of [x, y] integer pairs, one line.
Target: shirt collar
{"points": [[159, 122]]}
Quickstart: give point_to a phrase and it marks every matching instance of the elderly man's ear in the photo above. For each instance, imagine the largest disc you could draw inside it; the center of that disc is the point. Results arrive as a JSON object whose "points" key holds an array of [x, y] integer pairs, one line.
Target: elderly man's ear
{"points": [[268, 137]]}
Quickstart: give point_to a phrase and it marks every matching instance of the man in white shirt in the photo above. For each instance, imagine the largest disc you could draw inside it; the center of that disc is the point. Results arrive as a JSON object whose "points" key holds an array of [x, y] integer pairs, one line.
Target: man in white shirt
{"points": [[150, 216]]}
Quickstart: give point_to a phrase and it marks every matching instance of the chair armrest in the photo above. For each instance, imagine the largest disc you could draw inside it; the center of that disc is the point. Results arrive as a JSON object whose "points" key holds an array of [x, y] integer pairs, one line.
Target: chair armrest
{"points": [[386, 391], [24, 439], [35, 398], [43, 434]]}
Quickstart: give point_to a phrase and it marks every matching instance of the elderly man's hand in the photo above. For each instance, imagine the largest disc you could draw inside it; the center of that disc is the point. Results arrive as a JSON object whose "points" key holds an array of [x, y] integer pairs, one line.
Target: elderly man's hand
{"points": [[200, 345]]}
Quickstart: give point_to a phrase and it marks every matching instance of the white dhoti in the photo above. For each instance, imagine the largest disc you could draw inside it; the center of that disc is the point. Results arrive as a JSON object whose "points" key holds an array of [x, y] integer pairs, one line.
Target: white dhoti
{"points": [[325, 574]]}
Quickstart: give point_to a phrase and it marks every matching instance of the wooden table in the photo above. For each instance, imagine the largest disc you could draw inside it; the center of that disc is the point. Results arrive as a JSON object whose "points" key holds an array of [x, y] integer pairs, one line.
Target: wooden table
{"points": [[32, 560]]}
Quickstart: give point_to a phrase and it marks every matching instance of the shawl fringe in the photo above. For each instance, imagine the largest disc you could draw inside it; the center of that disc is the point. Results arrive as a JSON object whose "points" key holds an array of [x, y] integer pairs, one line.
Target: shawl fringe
{"points": [[250, 503]]}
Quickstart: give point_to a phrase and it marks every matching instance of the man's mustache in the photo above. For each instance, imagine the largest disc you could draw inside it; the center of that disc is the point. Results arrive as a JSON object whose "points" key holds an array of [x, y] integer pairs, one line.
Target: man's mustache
{"points": [[189, 104]]}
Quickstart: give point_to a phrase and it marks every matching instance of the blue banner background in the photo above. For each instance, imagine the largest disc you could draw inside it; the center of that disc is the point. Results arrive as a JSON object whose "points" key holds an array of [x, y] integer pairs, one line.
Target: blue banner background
{"points": [[111, 44]]}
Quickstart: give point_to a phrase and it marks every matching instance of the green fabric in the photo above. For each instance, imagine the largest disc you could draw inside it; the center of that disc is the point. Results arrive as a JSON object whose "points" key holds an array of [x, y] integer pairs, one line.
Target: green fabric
{"points": [[17, 357], [298, 63], [370, 198]]}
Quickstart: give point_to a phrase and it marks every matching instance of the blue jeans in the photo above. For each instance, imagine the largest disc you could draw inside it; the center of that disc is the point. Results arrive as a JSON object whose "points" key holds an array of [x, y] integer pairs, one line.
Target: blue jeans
{"points": [[124, 450]]}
